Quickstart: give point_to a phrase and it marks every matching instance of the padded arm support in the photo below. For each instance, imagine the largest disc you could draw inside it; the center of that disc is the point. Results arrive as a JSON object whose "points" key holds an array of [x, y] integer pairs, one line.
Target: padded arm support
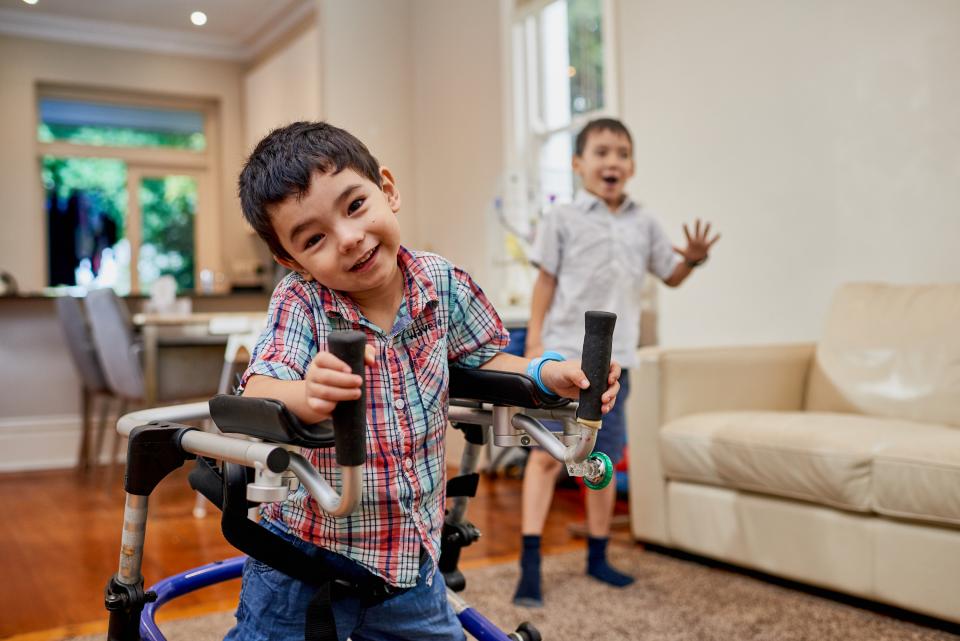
{"points": [[500, 388], [267, 419]]}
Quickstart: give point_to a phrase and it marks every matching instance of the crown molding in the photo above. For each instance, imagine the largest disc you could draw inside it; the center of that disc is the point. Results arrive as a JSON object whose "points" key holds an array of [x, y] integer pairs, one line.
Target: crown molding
{"points": [[260, 38], [102, 33]]}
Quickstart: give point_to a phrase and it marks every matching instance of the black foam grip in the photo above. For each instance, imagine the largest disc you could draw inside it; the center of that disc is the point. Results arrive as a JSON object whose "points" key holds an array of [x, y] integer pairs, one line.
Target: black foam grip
{"points": [[597, 345], [350, 417]]}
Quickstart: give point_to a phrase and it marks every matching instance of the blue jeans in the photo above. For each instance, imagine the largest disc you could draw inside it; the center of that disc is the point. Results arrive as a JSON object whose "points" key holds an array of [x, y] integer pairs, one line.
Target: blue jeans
{"points": [[273, 607]]}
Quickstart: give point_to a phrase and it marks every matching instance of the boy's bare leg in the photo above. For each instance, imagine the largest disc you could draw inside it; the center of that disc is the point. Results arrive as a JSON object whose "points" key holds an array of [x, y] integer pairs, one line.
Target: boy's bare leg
{"points": [[539, 480], [600, 504]]}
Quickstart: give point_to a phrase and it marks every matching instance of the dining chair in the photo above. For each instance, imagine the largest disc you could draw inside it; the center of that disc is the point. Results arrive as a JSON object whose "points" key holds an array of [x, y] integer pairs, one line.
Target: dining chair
{"points": [[192, 374], [76, 330], [118, 349]]}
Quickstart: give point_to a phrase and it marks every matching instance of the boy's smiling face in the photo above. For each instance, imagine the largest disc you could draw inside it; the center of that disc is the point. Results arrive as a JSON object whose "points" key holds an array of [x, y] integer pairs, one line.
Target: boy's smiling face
{"points": [[605, 166], [343, 232]]}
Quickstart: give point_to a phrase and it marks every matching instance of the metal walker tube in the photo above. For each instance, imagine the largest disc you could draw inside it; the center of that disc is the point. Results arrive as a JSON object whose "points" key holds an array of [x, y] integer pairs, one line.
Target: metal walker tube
{"points": [[239, 450], [576, 452], [131, 542]]}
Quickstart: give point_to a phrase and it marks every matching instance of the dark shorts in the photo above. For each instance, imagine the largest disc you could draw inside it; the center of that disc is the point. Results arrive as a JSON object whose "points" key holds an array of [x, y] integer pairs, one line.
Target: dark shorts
{"points": [[612, 437]]}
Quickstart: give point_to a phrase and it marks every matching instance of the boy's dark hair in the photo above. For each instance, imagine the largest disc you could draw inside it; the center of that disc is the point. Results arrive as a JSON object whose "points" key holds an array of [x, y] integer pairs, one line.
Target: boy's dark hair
{"points": [[283, 164], [601, 124]]}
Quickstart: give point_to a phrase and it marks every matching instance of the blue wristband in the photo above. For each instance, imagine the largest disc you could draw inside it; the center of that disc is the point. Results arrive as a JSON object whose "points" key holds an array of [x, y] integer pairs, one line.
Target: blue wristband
{"points": [[533, 369]]}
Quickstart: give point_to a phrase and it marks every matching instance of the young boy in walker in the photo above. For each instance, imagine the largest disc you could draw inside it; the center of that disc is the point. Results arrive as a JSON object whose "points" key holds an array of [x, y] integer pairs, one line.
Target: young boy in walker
{"points": [[328, 212]]}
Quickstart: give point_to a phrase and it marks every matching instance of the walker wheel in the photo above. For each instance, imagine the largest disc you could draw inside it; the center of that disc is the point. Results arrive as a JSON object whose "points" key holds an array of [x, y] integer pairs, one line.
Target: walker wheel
{"points": [[607, 476], [526, 631]]}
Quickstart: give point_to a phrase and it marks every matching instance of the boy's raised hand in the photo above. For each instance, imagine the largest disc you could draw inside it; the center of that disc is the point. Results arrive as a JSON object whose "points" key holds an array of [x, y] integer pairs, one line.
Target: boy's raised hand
{"points": [[698, 243], [567, 379], [329, 380]]}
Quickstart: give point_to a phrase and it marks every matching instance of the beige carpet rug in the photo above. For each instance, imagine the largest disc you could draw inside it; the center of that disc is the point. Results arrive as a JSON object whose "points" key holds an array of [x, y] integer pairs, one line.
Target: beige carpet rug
{"points": [[672, 600]]}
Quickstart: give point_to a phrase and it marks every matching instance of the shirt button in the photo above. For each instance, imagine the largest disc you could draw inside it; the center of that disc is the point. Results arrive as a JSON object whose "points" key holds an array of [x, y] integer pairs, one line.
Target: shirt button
{"points": [[399, 403], [408, 463]]}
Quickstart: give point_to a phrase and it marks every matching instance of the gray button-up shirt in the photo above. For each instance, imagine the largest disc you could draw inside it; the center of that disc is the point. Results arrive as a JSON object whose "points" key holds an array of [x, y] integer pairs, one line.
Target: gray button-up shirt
{"points": [[599, 258]]}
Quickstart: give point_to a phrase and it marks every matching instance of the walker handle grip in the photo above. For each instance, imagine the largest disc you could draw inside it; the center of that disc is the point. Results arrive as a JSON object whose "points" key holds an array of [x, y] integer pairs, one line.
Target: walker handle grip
{"points": [[597, 346], [350, 417]]}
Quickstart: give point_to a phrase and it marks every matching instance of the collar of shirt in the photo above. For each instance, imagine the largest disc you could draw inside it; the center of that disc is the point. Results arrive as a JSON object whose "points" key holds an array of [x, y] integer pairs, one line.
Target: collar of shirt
{"points": [[418, 292], [587, 201]]}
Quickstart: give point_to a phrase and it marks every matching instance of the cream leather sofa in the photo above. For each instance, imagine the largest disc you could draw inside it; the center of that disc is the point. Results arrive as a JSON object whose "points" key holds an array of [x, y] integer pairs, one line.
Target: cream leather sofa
{"points": [[835, 464]]}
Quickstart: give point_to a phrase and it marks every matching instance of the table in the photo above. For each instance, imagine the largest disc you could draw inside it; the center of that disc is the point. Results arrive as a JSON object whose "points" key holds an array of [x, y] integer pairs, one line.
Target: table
{"points": [[210, 328]]}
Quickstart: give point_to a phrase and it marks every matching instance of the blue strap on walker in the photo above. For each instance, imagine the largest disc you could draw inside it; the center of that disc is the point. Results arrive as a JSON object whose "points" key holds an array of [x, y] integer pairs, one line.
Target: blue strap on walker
{"points": [[533, 369]]}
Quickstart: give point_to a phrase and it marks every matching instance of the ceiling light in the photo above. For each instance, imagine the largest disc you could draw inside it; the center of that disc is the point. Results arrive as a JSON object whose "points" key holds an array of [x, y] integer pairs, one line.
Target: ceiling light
{"points": [[31, 1], [198, 18]]}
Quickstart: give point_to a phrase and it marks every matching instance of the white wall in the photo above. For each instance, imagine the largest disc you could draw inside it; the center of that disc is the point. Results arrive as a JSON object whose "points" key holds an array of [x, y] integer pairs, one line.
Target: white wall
{"points": [[458, 121], [419, 82], [367, 86], [39, 389], [283, 88], [821, 137]]}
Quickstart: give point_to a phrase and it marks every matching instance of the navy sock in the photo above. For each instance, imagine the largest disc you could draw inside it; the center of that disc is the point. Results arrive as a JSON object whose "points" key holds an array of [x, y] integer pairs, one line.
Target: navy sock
{"points": [[597, 565], [528, 590]]}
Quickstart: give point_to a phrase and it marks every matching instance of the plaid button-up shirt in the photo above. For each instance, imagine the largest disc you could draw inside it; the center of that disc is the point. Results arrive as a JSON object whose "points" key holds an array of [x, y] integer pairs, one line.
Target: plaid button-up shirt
{"points": [[444, 319]]}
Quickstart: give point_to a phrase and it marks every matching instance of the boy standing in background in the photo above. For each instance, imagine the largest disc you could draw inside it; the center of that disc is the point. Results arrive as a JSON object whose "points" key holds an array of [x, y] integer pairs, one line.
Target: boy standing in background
{"points": [[594, 254]]}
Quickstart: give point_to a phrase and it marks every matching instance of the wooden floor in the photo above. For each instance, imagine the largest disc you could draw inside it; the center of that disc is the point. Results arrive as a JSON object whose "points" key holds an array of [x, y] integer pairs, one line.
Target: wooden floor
{"points": [[60, 536]]}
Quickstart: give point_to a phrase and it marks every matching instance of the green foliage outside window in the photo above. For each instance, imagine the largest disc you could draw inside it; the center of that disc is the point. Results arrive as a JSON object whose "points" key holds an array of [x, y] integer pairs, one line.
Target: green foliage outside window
{"points": [[168, 209], [586, 55], [86, 205], [168, 206], [120, 137], [106, 178]]}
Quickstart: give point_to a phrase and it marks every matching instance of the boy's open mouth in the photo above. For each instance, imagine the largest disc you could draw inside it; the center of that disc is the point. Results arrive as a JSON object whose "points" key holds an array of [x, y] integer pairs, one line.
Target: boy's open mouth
{"points": [[365, 259], [611, 180]]}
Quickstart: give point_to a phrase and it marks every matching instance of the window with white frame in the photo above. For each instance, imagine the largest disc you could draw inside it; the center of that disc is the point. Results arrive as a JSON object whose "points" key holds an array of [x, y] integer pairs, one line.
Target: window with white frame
{"points": [[126, 188], [562, 77]]}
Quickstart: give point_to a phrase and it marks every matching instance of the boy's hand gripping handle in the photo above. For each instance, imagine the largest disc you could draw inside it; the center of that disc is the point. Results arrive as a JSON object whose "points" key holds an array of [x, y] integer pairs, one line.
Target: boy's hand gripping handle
{"points": [[597, 347], [350, 417]]}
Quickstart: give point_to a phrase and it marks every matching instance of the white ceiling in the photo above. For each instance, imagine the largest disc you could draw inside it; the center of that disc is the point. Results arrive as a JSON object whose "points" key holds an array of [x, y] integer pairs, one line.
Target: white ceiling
{"points": [[235, 29]]}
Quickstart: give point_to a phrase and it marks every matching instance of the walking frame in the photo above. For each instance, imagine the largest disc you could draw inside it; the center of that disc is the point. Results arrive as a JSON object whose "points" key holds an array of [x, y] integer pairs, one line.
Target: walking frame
{"points": [[256, 459]]}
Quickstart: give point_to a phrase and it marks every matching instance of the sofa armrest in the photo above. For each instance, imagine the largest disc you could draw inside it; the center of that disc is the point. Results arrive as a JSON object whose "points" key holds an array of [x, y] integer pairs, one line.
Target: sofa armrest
{"points": [[670, 383]]}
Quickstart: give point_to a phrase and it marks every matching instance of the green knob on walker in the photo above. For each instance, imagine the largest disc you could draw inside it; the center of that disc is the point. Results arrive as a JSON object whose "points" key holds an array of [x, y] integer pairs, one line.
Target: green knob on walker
{"points": [[607, 476]]}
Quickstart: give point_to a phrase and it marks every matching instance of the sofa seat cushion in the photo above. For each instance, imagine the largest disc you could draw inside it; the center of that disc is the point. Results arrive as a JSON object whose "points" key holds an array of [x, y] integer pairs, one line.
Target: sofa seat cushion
{"points": [[917, 475], [820, 457]]}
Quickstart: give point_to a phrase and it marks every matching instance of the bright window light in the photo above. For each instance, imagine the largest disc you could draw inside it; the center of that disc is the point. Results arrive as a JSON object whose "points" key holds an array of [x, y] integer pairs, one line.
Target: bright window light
{"points": [[198, 18]]}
